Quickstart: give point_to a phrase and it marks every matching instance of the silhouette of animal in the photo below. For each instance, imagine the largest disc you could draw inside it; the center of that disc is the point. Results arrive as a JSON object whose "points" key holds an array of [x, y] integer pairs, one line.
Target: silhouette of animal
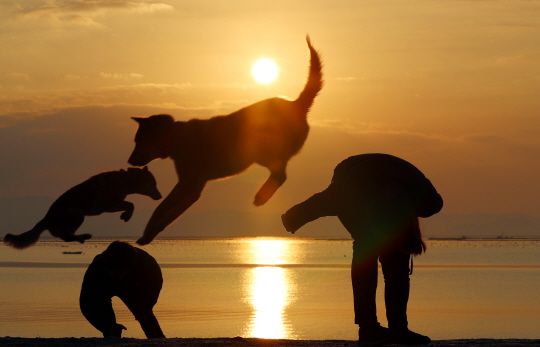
{"points": [[101, 193], [268, 133]]}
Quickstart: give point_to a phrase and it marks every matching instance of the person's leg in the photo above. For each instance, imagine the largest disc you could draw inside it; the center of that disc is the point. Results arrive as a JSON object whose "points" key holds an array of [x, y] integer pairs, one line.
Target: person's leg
{"points": [[150, 326], [395, 267], [364, 275], [141, 305]]}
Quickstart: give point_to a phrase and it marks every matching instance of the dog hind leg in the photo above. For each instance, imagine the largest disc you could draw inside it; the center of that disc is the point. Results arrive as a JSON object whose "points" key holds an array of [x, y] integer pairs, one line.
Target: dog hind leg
{"points": [[66, 224], [276, 179]]}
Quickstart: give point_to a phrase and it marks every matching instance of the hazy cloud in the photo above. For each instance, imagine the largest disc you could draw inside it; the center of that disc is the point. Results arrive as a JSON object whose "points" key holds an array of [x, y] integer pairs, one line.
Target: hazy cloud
{"points": [[17, 76], [518, 59], [81, 12], [70, 77], [372, 128], [119, 76]]}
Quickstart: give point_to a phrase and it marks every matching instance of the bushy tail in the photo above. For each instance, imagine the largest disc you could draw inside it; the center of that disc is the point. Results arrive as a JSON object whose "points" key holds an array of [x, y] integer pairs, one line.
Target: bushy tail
{"points": [[315, 79], [26, 239]]}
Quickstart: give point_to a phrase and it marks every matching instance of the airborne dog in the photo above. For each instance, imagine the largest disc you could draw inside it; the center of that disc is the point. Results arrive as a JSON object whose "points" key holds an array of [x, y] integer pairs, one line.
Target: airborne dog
{"points": [[268, 133], [101, 193]]}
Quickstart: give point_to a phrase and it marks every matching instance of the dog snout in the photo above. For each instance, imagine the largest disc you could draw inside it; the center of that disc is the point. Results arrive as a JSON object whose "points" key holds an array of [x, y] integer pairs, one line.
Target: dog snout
{"points": [[156, 195], [134, 160]]}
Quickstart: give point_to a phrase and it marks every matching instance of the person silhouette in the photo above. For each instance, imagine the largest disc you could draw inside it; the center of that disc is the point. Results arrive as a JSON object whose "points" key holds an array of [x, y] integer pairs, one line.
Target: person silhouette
{"points": [[130, 274], [378, 199]]}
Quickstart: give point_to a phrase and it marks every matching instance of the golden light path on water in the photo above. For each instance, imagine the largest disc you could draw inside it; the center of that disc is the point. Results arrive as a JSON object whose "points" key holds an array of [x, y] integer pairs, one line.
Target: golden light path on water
{"points": [[269, 290]]}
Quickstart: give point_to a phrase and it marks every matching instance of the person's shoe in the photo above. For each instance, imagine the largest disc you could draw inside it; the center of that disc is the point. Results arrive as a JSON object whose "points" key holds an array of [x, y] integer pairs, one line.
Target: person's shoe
{"points": [[376, 336], [408, 337]]}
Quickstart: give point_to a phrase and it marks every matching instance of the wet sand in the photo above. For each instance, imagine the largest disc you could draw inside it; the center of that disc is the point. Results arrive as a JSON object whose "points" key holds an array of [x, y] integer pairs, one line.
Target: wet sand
{"points": [[237, 342]]}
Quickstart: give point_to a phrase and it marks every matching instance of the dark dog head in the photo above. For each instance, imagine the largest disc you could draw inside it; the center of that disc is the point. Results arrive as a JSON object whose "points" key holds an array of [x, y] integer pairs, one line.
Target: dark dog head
{"points": [[152, 139], [143, 182]]}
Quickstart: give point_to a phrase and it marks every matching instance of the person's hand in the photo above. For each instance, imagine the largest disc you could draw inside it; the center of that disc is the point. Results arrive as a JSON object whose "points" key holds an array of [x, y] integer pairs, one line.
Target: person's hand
{"points": [[144, 240], [116, 330], [286, 225]]}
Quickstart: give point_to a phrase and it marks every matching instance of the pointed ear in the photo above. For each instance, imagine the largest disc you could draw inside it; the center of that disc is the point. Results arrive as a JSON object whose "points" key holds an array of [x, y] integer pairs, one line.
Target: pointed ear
{"points": [[137, 119]]}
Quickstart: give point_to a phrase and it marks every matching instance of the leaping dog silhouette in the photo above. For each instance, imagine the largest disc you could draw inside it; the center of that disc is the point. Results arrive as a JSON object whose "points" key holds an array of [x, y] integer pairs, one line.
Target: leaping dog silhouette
{"points": [[105, 192], [268, 133]]}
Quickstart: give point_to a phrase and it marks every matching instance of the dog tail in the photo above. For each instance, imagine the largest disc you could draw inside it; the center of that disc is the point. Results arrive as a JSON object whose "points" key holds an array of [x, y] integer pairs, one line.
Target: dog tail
{"points": [[26, 239], [315, 80]]}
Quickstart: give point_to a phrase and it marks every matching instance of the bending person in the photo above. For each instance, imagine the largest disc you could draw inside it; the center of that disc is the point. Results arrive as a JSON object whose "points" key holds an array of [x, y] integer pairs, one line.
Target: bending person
{"points": [[378, 199], [130, 274]]}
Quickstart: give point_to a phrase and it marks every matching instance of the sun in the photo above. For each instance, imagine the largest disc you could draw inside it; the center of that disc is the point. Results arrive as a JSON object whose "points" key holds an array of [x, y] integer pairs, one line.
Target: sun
{"points": [[264, 70]]}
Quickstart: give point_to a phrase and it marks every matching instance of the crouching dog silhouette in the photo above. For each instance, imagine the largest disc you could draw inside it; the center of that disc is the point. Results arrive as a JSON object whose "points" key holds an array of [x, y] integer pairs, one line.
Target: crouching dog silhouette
{"points": [[378, 199], [268, 133], [101, 193], [130, 274]]}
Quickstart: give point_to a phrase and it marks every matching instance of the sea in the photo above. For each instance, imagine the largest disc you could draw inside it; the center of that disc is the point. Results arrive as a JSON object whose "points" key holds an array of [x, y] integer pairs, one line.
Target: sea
{"points": [[279, 288]]}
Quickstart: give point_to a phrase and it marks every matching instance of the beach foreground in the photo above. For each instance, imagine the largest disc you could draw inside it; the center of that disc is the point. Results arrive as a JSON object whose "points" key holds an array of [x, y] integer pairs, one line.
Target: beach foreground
{"points": [[238, 342]]}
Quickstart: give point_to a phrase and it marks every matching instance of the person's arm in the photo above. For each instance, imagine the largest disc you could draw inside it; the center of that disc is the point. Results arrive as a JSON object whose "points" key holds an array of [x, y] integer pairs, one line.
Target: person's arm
{"points": [[321, 204]]}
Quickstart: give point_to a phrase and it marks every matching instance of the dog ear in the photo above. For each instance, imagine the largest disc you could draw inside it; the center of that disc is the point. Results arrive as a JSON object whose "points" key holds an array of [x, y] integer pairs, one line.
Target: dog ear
{"points": [[138, 119]]}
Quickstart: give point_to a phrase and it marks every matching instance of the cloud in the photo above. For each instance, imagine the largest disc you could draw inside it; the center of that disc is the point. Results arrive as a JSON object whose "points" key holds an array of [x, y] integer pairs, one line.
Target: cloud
{"points": [[517, 59], [83, 12], [361, 128], [118, 76], [201, 99], [17, 76], [144, 94], [71, 77]]}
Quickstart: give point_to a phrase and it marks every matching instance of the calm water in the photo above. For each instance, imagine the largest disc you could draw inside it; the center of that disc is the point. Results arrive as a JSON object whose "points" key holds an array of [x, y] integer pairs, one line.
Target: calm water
{"points": [[279, 288]]}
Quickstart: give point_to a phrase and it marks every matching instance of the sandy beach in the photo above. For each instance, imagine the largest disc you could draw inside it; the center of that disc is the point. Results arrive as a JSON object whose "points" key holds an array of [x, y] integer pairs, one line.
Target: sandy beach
{"points": [[238, 342]]}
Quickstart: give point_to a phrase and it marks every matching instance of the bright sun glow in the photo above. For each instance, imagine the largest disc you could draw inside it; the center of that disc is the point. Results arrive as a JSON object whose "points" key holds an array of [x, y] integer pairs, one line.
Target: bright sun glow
{"points": [[264, 70]]}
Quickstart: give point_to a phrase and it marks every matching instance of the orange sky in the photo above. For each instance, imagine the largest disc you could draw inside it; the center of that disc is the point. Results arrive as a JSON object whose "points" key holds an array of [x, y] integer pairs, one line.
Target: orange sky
{"points": [[452, 86]]}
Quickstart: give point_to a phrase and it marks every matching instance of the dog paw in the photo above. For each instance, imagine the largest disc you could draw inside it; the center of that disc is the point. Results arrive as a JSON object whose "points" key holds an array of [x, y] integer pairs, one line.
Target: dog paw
{"points": [[126, 215]]}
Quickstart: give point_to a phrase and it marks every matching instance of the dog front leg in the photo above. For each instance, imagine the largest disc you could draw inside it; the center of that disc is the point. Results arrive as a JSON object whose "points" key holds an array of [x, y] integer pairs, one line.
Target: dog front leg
{"points": [[125, 207], [183, 195]]}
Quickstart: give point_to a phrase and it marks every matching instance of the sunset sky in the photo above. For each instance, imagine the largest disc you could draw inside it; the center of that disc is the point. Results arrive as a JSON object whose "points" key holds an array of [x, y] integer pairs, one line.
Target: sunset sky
{"points": [[451, 86]]}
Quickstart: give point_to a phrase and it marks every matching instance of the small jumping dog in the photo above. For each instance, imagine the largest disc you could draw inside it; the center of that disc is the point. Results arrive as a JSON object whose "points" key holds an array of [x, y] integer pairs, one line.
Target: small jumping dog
{"points": [[101, 193]]}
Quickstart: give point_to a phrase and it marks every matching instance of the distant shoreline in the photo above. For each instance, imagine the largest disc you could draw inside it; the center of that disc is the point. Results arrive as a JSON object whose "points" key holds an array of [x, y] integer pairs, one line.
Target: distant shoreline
{"points": [[483, 239], [187, 238], [237, 342], [30, 264]]}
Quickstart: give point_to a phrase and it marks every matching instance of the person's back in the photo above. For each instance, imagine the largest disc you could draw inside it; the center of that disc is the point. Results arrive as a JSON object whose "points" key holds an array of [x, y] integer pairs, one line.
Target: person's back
{"points": [[368, 173], [129, 273]]}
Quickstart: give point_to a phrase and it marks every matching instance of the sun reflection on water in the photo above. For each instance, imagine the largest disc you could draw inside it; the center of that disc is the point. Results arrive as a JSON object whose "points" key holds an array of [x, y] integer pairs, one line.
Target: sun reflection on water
{"points": [[269, 290]]}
